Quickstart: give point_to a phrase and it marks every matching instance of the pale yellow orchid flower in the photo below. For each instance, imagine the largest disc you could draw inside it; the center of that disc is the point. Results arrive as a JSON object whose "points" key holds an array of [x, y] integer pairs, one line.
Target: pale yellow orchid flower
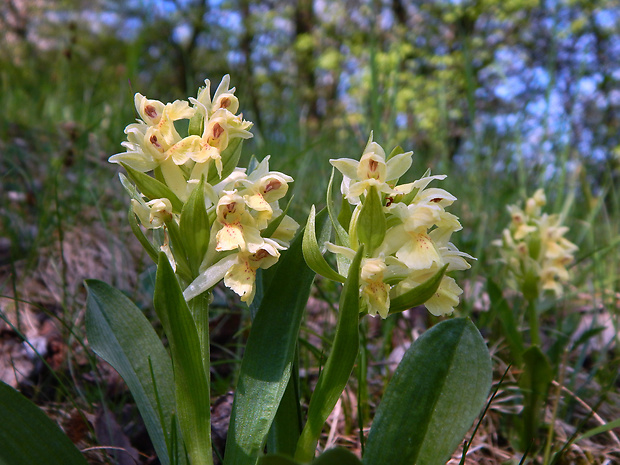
{"points": [[238, 227], [371, 170], [262, 189], [153, 214], [241, 277], [223, 98], [445, 298]]}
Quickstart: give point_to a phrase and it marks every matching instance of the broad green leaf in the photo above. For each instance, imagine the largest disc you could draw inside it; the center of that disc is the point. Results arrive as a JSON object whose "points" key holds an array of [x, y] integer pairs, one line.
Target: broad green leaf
{"points": [[230, 159], [534, 383], [268, 360], [121, 335], [419, 294], [28, 436], [191, 383], [371, 224], [287, 423], [312, 252], [194, 228], [338, 366], [153, 189], [437, 392]]}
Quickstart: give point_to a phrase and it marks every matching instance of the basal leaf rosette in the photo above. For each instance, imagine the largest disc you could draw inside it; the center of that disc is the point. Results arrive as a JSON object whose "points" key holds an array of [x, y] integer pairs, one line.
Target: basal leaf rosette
{"points": [[535, 250], [405, 230], [213, 219]]}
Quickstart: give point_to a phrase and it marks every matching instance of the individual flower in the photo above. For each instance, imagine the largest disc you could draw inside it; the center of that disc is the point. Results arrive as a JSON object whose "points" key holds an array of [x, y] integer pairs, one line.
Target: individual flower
{"points": [[241, 276], [224, 98], [219, 130], [153, 214], [371, 170], [154, 113], [410, 240], [262, 189], [238, 227], [445, 298], [374, 291]]}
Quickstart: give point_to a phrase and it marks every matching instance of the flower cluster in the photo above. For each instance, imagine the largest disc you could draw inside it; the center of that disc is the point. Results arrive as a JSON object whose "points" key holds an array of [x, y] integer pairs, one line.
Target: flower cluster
{"points": [[404, 228], [246, 228], [535, 249]]}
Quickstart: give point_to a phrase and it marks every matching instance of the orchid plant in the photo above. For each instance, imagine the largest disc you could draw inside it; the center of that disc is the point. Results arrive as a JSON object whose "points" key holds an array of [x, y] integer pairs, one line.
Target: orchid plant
{"points": [[535, 255], [205, 220]]}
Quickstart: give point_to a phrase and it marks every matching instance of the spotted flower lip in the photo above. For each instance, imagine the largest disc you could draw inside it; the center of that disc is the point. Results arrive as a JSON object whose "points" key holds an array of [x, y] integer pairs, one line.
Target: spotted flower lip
{"points": [[238, 228], [153, 111], [241, 276]]}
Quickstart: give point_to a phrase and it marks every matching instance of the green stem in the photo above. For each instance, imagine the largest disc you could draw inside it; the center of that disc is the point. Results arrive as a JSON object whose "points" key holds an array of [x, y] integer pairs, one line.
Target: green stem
{"points": [[532, 316]]}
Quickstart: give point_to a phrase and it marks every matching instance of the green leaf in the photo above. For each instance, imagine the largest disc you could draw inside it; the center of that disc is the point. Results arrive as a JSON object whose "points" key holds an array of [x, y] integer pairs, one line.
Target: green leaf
{"points": [[191, 383], [230, 159], [433, 398], [408, 198], [338, 366], [534, 383], [344, 216], [371, 224], [194, 227], [177, 244], [600, 429], [287, 423], [395, 151], [196, 125], [268, 360], [419, 294], [271, 228], [137, 231], [153, 189], [312, 252], [341, 234], [28, 436], [121, 335]]}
